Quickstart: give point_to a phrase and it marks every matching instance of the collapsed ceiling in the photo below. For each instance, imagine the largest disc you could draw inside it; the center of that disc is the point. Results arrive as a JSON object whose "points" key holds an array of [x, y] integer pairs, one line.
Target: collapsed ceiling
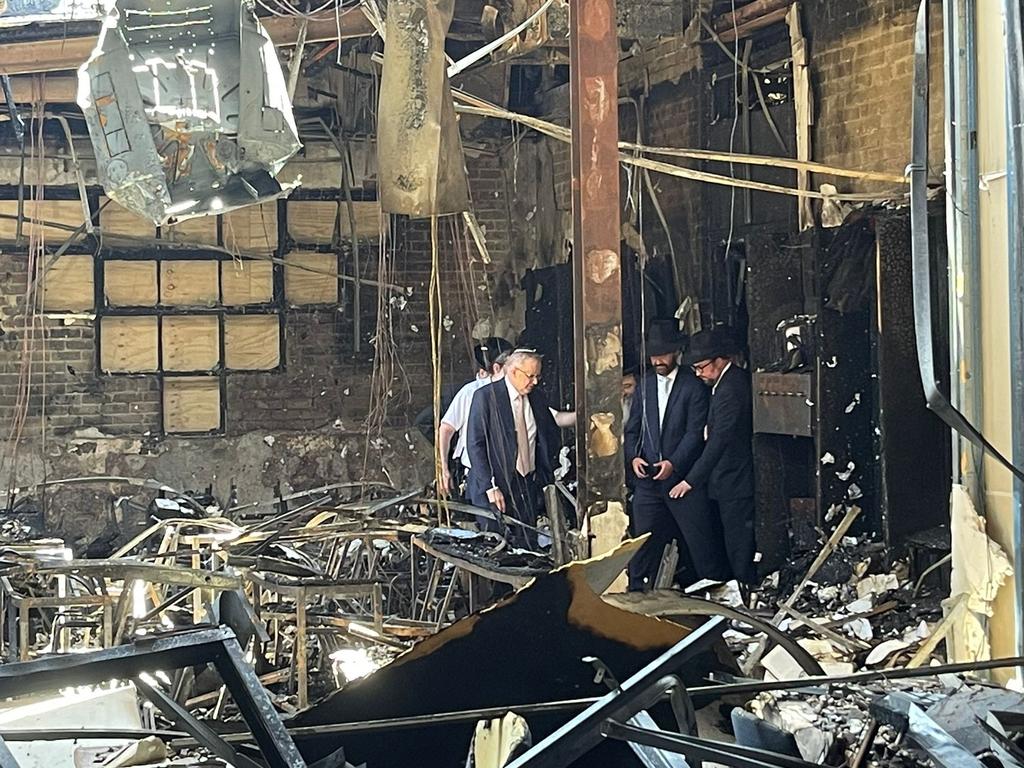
{"points": [[187, 108]]}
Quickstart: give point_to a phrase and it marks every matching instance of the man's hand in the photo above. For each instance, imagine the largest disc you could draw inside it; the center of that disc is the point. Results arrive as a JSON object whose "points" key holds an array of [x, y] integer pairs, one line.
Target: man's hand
{"points": [[639, 467], [664, 470], [446, 482], [680, 489], [497, 498]]}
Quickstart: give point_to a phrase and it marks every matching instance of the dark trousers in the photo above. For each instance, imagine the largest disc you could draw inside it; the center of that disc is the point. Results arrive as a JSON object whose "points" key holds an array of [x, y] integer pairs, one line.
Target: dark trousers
{"points": [[523, 502], [690, 522], [737, 520]]}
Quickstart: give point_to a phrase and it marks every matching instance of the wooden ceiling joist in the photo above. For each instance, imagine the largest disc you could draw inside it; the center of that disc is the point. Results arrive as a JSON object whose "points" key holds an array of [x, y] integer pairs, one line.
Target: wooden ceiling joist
{"points": [[63, 53]]}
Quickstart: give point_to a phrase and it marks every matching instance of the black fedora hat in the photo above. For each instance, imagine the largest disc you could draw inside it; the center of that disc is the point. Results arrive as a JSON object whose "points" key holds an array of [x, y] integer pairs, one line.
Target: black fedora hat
{"points": [[664, 338], [715, 342]]}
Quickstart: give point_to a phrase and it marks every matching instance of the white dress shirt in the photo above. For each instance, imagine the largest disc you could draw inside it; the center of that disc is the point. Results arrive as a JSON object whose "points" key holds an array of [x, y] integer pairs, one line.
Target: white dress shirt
{"points": [[665, 384], [457, 416], [719, 380], [531, 422]]}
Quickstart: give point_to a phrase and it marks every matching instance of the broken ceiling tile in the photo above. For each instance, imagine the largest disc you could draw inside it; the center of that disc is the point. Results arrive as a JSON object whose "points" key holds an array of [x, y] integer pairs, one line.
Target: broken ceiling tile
{"points": [[877, 584], [187, 109]]}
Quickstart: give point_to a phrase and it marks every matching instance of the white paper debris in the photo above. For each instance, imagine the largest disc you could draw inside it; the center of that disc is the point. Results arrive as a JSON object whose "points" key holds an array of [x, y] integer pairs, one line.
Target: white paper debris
{"points": [[270, 440], [853, 403], [884, 650], [828, 458], [832, 363], [854, 492], [877, 584], [847, 473], [862, 605], [860, 628]]}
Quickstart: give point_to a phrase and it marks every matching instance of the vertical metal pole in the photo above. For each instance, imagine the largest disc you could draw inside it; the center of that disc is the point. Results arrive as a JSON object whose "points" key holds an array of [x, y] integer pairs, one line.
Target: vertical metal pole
{"points": [[1015, 218], [597, 278], [963, 234]]}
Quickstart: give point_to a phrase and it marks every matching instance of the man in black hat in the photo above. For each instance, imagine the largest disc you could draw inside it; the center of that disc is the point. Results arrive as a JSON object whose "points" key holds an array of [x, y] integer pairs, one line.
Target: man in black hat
{"points": [[663, 438], [725, 469]]}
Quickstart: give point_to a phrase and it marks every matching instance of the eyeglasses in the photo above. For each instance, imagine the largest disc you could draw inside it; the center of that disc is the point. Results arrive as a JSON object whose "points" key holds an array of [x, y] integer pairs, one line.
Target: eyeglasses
{"points": [[698, 367], [534, 377]]}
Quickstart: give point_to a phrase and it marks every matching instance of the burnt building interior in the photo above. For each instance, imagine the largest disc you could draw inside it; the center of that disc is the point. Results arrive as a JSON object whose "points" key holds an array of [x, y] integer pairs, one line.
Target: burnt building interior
{"points": [[250, 253]]}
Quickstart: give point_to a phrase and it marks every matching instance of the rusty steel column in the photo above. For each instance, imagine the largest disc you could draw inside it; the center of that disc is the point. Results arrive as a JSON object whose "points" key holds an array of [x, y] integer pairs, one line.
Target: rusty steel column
{"points": [[597, 280]]}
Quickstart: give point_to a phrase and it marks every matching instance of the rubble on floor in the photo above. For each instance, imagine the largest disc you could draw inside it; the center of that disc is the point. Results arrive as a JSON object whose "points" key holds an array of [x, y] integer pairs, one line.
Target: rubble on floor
{"points": [[359, 623]]}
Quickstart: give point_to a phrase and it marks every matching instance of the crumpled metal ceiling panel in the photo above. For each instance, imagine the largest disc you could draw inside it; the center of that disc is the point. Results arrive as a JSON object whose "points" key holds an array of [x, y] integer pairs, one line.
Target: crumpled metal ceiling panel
{"points": [[187, 108]]}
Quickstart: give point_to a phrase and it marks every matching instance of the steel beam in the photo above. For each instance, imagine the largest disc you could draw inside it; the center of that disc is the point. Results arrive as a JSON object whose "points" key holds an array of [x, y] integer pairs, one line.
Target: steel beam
{"points": [[583, 732], [597, 274]]}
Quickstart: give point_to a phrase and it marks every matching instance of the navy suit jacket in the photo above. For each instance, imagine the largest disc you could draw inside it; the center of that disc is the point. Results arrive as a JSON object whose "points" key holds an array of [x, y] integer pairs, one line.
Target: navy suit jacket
{"points": [[491, 439], [726, 466], [679, 438]]}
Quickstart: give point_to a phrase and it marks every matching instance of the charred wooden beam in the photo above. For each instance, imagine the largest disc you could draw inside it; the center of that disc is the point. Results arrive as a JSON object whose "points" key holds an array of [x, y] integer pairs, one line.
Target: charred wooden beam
{"points": [[593, 75]]}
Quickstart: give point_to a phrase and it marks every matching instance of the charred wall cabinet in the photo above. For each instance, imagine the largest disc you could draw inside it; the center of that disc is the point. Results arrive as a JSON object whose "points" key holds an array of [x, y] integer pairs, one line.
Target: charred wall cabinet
{"points": [[850, 425]]}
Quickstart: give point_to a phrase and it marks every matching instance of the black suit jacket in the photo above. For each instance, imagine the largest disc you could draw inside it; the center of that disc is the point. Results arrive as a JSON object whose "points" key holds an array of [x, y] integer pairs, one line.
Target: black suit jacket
{"points": [[679, 438], [726, 466], [491, 439]]}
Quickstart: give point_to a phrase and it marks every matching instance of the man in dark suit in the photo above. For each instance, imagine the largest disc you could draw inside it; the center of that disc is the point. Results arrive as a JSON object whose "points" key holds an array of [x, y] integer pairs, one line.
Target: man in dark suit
{"points": [[663, 438], [512, 443], [725, 469]]}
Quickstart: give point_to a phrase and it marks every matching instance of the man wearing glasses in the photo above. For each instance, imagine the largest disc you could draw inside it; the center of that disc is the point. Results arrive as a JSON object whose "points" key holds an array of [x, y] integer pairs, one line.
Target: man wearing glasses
{"points": [[512, 443], [726, 467]]}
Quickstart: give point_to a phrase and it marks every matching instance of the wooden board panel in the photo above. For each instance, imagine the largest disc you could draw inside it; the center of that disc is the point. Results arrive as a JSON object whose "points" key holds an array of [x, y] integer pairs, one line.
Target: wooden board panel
{"points": [[246, 281], [190, 342], [252, 342], [252, 229], [128, 344], [302, 286], [189, 283], [312, 221], [67, 212], [202, 231], [191, 404], [117, 220], [68, 286], [130, 283]]}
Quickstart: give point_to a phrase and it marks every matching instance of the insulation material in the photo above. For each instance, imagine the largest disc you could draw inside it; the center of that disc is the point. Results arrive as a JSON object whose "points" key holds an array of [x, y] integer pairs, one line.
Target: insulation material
{"points": [[252, 229], [117, 220], [308, 278], [189, 283], [196, 231], [313, 222], [252, 342], [980, 567], [68, 285], [244, 281], [190, 342], [66, 212], [128, 344], [422, 171], [191, 404], [130, 283]]}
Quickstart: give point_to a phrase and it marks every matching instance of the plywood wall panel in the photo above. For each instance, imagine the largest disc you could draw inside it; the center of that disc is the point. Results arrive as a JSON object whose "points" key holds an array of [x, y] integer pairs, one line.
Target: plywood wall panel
{"points": [[252, 229], [246, 281], [66, 212], [130, 283], [189, 283], [190, 342], [305, 281], [128, 344], [252, 342], [191, 404], [68, 285]]}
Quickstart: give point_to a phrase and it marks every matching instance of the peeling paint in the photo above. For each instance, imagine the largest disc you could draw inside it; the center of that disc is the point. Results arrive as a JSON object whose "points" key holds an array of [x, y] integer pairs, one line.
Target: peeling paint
{"points": [[603, 441], [602, 265]]}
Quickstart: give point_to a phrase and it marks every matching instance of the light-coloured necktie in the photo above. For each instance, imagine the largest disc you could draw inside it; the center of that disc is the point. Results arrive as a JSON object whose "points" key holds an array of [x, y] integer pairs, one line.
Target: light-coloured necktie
{"points": [[524, 461]]}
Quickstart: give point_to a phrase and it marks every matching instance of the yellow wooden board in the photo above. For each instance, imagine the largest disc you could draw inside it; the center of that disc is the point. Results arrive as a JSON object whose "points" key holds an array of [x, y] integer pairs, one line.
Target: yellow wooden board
{"points": [[305, 281], [130, 283], [252, 342], [312, 221], [128, 344], [252, 229], [117, 220], [68, 285], [190, 342], [201, 231], [66, 212], [246, 281], [191, 404], [189, 283]]}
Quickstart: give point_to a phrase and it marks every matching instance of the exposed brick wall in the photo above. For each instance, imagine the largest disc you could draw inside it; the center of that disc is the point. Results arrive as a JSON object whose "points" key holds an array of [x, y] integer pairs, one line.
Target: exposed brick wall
{"points": [[861, 54]]}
